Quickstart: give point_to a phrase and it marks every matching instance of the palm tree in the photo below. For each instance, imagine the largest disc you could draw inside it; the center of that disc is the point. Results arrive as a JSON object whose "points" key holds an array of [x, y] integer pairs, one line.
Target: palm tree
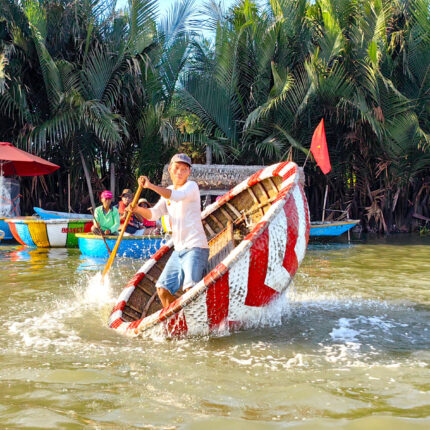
{"points": [[273, 73], [97, 91]]}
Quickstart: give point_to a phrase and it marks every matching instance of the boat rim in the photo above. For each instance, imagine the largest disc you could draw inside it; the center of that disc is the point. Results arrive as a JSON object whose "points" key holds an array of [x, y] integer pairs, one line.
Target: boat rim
{"points": [[318, 224], [115, 237], [28, 220]]}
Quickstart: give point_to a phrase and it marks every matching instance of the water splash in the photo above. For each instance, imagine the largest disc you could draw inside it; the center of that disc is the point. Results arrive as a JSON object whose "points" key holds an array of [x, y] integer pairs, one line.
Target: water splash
{"points": [[250, 318], [96, 292], [62, 325]]}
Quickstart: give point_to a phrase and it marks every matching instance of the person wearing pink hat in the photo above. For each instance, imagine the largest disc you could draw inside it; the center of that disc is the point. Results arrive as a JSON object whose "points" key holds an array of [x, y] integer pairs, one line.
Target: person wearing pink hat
{"points": [[181, 201], [106, 216]]}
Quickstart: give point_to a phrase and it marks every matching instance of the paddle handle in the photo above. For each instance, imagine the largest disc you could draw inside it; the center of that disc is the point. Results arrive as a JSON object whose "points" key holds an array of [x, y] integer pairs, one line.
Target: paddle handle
{"points": [[118, 241]]}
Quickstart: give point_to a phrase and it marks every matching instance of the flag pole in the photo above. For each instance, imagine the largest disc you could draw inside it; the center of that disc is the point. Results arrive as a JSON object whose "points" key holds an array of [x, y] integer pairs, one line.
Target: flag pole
{"points": [[306, 159]]}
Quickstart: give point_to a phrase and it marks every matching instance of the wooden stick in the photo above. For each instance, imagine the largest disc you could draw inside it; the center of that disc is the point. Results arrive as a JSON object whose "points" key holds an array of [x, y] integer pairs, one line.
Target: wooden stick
{"points": [[325, 201], [118, 241], [101, 231], [68, 192], [306, 159]]}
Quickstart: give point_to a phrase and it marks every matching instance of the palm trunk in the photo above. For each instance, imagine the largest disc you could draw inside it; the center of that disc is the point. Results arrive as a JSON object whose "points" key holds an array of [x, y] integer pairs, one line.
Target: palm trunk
{"points": [[208, 155], [112, 178], [87, 177]]}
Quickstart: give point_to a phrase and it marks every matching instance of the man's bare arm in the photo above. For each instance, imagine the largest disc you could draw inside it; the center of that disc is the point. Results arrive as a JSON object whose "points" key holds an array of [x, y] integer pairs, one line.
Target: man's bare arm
{"points": [[145, 183], [144, 212]]}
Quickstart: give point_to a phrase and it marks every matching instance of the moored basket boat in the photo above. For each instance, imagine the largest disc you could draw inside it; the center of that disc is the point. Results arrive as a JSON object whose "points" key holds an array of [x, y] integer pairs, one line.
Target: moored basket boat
{"points": [[45, 214], [331, 228], [54, 233], [5, 228], [130, 246], [258, 234]]}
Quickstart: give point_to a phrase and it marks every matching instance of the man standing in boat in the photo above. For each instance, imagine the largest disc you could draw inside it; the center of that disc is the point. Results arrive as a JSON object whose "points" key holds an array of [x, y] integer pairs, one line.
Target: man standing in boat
{"points": [[181, 201]]}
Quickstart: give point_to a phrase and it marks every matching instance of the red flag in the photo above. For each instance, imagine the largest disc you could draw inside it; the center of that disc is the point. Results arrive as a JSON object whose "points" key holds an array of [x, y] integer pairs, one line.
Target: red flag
{"points": [[319, 148]]}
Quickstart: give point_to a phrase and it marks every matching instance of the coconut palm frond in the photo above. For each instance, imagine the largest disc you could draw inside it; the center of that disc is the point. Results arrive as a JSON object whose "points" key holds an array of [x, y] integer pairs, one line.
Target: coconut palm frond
{"points": [[14, 104], [214, 14], [54, 130], [176, 23], [109, 128], [172, 63], [210, 102], [50, 72], [142, 29]]}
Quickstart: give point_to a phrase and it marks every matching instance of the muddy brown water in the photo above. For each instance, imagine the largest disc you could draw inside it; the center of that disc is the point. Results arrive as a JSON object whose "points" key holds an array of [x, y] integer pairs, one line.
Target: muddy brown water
{"points": [[348, 347]]}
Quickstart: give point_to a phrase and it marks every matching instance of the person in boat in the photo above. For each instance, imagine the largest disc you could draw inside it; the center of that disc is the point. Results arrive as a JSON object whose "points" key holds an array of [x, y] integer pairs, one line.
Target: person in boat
{"points": [[181, 201], [106, 216], [146, 226], [133, 223]]}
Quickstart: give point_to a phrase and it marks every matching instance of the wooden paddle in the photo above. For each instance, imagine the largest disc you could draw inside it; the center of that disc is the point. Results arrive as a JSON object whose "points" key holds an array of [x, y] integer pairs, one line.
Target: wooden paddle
{"points": [[101, 231], [118, 241]]}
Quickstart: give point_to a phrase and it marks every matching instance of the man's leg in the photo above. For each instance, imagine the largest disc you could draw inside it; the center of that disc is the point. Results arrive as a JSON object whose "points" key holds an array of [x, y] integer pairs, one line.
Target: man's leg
{"points": [[170, 280], [194, 263], [165, 297]]}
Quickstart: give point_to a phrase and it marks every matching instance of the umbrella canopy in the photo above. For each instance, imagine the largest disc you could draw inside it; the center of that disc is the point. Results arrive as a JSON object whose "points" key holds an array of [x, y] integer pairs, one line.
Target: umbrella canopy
{"points": [[14, 161]]}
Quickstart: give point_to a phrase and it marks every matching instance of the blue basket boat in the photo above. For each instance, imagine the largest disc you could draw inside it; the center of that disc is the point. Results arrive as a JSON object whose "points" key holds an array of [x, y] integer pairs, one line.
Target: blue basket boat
{"points": [[44, 214], [130, 246], [333, 228], [5, 228]]}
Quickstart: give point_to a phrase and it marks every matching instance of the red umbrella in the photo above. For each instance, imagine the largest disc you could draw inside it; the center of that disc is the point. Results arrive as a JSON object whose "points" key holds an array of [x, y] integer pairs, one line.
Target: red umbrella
{"points": [[14, 161]]}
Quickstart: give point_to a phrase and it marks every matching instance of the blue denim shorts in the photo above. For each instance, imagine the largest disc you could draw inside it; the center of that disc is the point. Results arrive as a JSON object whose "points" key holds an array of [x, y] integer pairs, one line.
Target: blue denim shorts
{"points": [[184, 268]]}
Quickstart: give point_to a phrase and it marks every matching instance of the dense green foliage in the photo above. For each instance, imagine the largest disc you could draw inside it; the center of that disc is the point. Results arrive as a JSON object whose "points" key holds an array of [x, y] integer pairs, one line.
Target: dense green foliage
{"points": [[85, 86], [78, 77], [363, 66]]}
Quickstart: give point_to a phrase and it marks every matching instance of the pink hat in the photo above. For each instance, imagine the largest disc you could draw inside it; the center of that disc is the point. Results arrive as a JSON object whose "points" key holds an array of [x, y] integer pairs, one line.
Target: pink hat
{"points": [[106, 195]]}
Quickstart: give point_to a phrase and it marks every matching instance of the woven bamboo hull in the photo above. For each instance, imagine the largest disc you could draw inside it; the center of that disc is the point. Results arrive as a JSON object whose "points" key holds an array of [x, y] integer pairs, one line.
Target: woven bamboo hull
{"points": [[35, 232], [270, 220], [130, 246]]}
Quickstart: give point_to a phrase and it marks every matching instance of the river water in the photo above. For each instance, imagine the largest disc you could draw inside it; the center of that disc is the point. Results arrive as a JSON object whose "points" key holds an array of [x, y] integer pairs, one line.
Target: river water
{"points": [[349, 347]]}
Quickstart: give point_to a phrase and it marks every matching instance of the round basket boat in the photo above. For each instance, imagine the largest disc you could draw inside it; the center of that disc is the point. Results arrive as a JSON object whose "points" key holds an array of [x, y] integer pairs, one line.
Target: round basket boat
{"points": [[331, 228], [5, 228], [45, 214], [130, 246], [53, 233], [258, 234]]}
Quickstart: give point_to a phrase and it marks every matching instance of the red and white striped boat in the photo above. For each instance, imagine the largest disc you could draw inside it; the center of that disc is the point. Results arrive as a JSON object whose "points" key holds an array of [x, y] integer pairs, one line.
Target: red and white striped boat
{"points": [[258, 234]]}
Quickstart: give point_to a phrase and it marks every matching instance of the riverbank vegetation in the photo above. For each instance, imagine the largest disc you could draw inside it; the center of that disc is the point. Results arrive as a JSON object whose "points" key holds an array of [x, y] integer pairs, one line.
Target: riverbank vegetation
{"points": [[108, 94]]}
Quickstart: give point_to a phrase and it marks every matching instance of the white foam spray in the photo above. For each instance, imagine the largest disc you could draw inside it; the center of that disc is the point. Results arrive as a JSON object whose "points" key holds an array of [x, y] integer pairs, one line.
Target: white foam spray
{"points": [[59, 326], [96, 292]]}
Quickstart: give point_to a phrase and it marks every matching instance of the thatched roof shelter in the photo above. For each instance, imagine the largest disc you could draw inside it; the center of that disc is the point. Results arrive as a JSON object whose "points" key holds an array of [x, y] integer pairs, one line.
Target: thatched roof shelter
{"points": [[215, 179]]}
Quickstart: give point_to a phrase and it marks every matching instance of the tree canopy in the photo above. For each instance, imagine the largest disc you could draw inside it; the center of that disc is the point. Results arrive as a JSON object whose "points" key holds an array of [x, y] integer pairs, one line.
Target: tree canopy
{"points": [[110, 93]]}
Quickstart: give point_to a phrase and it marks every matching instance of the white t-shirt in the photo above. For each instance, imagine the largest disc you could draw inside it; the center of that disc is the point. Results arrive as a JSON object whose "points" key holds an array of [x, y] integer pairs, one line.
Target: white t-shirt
{"points": [[183, 208]]}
